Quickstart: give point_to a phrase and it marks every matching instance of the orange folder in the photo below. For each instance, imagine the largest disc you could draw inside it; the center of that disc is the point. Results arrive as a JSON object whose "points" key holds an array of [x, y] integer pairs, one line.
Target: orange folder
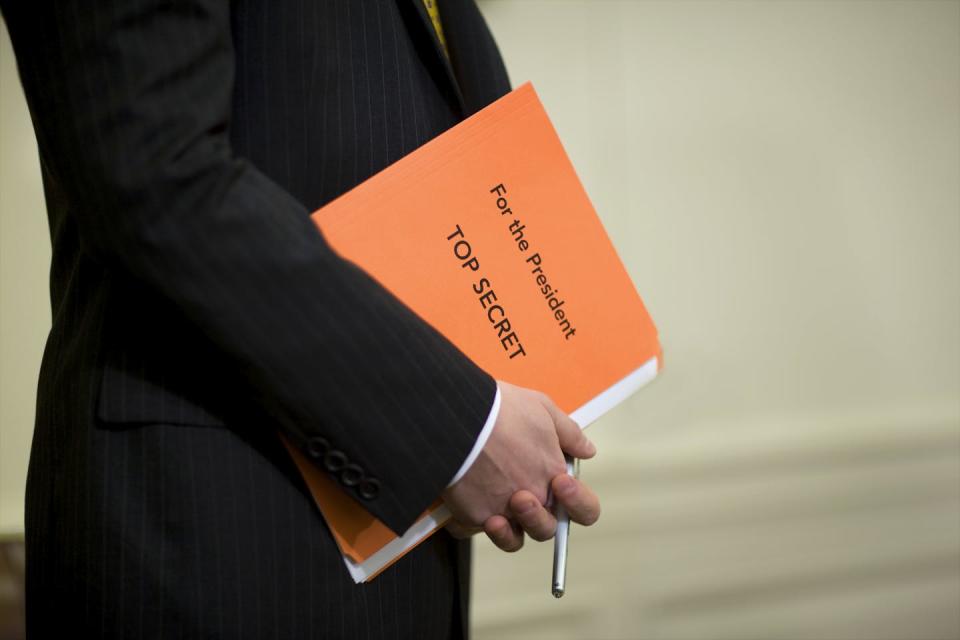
{"points": [[488, 235]]}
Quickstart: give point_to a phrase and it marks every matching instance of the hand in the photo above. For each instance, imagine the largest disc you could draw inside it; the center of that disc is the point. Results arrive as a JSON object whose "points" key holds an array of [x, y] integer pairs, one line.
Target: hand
{"points": [[524, 452], [580, 502], [528, 515]]}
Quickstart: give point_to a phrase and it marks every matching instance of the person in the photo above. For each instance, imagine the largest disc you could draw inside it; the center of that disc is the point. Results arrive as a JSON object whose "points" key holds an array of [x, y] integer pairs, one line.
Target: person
{"points": [[197, 313]]}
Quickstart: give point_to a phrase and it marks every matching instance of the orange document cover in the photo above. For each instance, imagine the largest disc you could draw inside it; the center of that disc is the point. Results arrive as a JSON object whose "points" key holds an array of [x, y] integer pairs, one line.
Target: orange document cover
{"points": [[488, 235]]}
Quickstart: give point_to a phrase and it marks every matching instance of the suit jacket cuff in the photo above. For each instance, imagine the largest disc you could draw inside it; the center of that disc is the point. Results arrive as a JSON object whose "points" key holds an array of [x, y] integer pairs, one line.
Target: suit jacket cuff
{"points": [[481, 440]]}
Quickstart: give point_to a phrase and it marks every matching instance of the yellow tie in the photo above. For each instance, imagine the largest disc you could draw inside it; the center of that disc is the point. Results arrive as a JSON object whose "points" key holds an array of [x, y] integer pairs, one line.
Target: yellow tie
{"points": [[434, 14]]}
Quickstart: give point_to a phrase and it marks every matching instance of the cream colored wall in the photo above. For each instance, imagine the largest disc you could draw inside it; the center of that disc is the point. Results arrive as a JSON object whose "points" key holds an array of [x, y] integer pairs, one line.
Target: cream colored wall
{"points": [[782, 180], [24, 302]]}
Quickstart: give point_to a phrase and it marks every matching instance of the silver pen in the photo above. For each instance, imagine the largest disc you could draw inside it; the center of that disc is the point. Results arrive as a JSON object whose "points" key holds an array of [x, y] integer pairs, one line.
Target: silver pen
{"points": [[562, 538]]}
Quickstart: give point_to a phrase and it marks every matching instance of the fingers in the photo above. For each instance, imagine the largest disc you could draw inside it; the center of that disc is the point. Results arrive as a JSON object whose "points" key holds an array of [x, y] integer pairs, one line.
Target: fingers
{"points": [[580, 502], [572, 439], [506, 535], [533, 518]]}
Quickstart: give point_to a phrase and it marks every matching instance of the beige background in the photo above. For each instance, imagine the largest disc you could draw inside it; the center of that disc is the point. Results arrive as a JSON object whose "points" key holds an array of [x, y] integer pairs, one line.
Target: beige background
{"points": [[24, 297], [782, 180]]}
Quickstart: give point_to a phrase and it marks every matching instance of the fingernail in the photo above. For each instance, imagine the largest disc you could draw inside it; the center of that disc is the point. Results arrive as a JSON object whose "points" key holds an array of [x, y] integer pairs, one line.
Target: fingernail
{"points": [[591, 449], [564, 485]]}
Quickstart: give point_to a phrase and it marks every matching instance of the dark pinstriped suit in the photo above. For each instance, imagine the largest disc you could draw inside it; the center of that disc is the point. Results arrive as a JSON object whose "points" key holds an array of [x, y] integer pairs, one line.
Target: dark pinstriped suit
{"points": [[196, 312]]}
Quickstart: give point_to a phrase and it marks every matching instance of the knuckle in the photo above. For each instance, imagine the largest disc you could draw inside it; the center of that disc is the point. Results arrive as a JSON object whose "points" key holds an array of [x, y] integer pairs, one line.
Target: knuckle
{"points": [[472, 521]]}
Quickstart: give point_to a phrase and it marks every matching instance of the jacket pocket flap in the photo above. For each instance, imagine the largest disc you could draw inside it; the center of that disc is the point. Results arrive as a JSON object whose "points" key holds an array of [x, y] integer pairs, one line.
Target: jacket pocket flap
{"points": [[134, 397]]}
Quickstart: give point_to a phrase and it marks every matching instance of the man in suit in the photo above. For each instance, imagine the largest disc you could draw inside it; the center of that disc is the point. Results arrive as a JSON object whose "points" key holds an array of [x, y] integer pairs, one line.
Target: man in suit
{"points": [[197, 313]]}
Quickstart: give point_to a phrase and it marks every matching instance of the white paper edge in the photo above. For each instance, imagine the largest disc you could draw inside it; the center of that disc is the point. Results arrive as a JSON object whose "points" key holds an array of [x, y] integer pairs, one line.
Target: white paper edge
{"points": [[420, 529], [583, 416], [615, 394]]}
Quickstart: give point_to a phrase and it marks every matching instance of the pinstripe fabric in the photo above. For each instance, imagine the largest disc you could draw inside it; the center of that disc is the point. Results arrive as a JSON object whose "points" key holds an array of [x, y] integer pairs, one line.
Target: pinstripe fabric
{"points": [[196, 311]]}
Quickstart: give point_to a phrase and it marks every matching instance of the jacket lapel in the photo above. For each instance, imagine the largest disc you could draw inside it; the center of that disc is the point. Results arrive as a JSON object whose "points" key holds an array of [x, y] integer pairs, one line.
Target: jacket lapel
{"points": [[438, 55]]}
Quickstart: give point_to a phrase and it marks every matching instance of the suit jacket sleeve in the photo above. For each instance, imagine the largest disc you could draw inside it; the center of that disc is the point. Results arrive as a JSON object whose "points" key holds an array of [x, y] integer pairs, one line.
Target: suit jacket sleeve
{"points": [[131, 101]]}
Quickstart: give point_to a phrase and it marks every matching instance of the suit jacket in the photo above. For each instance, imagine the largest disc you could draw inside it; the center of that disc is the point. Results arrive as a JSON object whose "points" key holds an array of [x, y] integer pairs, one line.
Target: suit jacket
{"points": [[197, 312]]}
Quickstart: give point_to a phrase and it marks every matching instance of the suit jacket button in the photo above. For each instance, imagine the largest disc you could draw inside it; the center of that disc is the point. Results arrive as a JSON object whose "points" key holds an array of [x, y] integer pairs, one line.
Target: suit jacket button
{"points": [[334, 460], [369, 488], [351, 475], [317, 447]]}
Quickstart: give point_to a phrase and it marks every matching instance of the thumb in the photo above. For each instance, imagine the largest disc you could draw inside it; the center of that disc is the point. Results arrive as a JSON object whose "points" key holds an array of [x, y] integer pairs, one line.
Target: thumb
{"points": [[573, 442]]}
